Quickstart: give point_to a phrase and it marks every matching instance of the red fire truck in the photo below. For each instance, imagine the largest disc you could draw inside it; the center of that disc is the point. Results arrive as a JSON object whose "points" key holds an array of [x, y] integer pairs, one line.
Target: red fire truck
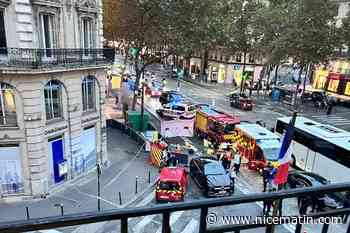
{"points": [[216, 126]]}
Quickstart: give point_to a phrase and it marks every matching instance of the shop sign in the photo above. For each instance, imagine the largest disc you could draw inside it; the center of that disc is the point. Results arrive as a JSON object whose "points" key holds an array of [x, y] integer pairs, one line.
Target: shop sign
{"points": [[236, 67]]}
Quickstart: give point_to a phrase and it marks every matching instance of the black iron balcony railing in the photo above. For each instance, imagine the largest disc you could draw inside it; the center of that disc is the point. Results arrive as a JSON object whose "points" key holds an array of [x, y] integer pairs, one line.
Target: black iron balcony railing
{"points": [[125, 214], [23, 58]]}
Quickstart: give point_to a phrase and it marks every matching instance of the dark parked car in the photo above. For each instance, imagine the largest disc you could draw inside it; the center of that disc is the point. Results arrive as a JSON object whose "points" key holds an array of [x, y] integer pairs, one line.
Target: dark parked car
{"points": [[301, 179], [211, 177], [241, 101], [169, 96]]}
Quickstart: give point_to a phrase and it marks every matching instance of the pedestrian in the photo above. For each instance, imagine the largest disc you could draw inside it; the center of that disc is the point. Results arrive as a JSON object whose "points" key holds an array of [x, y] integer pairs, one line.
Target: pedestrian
{"points": [[237, 162], [279, 207], [330, 107], [265, 175], [125, 98], [225, 157], [165, 157], [346, 204], [304, 203], [163, 83], [267, 204]]}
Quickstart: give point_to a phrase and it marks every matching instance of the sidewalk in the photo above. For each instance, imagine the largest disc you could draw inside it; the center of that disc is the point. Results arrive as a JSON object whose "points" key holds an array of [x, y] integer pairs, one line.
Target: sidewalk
{"points": [[127, 161]]}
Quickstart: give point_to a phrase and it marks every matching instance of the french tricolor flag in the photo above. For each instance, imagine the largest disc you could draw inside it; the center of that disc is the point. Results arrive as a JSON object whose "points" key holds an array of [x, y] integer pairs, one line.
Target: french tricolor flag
{"points": [[285, 155]]}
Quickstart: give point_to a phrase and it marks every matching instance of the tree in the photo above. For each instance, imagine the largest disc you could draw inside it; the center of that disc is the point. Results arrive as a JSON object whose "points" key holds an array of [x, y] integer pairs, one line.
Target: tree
{"points": [[345, 32], [310, 35], [241, 34]]}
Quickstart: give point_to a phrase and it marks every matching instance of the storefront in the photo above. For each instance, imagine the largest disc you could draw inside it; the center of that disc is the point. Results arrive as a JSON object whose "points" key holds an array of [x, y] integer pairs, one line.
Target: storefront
{"points": [[213, 74], [221, 74], [11, 178], [237, 74], [57, 160], [320, 78], [335, 78], [88, 145]]}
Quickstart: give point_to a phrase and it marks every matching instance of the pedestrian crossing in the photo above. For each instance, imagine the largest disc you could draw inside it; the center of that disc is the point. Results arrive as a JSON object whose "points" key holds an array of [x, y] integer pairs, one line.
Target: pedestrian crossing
{"points": [[332, 120]]}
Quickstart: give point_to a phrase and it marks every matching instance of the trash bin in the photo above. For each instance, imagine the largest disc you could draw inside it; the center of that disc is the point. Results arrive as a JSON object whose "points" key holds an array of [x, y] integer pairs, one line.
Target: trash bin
{"points": [[134, 119], [275, 95]]}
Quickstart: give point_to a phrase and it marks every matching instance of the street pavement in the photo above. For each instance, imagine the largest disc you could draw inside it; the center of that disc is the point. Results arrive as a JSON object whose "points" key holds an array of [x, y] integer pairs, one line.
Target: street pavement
{"points": [[128, 161]]}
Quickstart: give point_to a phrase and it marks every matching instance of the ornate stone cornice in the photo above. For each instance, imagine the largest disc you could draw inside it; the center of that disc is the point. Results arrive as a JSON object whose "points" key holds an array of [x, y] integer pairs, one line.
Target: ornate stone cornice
{"points": [[89, 6], [5, 3], [52, 3]]}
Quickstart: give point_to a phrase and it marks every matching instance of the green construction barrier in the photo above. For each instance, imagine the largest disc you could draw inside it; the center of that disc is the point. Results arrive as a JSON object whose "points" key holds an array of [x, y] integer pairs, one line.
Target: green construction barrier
{"points": [[134, 119]]}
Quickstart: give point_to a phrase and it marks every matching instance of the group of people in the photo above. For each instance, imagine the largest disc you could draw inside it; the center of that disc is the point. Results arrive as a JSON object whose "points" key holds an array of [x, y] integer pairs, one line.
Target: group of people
{"points": [[170, 159], [230, 159]]}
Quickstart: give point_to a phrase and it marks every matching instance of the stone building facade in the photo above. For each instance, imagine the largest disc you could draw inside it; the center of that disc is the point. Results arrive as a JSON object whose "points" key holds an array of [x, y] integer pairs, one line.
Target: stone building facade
{"points": [[52, 93]]}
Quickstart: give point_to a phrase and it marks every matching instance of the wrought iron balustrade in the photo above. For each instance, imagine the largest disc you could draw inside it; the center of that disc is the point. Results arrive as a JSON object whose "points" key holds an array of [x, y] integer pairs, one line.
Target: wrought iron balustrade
{"points": [[23, 58], [123, 215]]}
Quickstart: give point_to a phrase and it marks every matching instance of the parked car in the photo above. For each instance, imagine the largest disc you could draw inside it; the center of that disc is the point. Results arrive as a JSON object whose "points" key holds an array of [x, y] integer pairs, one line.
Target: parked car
{"points": [[169, 96], [180, 110], [172, 184], [209, 174], [241, 101], [301, 179], [154, 89]]}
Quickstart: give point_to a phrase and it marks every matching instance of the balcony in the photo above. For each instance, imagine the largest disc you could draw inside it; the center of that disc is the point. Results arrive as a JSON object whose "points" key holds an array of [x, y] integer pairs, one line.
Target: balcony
{"points": [[22, 59], [121, 216]]}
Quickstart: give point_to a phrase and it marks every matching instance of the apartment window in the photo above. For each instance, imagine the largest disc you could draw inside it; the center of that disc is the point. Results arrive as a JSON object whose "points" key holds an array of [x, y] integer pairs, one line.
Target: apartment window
{"points": [[88, 93], [86, 32], [251, 59], [239, 57], [53, 100], [46, 21], [3, 44], [8, 115]]}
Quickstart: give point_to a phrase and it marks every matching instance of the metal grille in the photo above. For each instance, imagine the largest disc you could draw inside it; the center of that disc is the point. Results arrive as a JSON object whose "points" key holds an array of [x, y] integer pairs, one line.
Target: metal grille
{"points": [[203, 205]]}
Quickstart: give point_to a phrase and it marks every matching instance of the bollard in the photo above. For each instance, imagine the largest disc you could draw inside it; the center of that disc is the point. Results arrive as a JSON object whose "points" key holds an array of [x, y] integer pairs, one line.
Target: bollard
{"points": [[136, 185], [149, 176], [120, 198], [62, 213], [27, 212], [60, 205]]}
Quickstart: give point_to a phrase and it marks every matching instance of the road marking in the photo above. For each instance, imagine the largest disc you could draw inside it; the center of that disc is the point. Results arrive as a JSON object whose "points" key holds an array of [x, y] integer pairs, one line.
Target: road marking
{"points": [[96, 197], [191, 226], [147, 200], [173, 218]]}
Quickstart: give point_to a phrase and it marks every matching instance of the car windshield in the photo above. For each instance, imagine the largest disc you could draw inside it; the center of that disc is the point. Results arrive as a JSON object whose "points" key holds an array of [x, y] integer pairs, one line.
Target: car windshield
{"points": [[229, 128], [214, 169], [179, 108], [167, 185], [191, 108]]}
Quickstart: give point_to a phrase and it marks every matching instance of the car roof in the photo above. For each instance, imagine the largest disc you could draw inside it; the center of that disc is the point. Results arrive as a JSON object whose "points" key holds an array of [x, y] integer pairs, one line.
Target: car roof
{"points": [[227, 119], [257, 131], [171, 174], [314, 177], [327, 132]]}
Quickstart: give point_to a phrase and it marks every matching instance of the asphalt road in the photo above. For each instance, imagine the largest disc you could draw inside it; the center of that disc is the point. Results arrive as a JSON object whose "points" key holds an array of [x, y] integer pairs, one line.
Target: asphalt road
{"points": [[264, 109]]}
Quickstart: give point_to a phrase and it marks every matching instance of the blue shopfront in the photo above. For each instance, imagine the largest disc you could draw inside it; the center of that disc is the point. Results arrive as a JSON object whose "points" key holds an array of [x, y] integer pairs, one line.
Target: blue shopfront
{"points": [[57, 163]]}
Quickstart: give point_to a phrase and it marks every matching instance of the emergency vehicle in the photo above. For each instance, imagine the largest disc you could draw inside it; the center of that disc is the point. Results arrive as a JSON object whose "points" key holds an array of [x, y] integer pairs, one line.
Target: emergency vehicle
{"points": [[257, 144], [215, 125], [172, 184]]}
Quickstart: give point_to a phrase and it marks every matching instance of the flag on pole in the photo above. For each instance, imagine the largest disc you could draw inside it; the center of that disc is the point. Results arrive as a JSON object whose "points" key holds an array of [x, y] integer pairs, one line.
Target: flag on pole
{"points": [[285, 155]]}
